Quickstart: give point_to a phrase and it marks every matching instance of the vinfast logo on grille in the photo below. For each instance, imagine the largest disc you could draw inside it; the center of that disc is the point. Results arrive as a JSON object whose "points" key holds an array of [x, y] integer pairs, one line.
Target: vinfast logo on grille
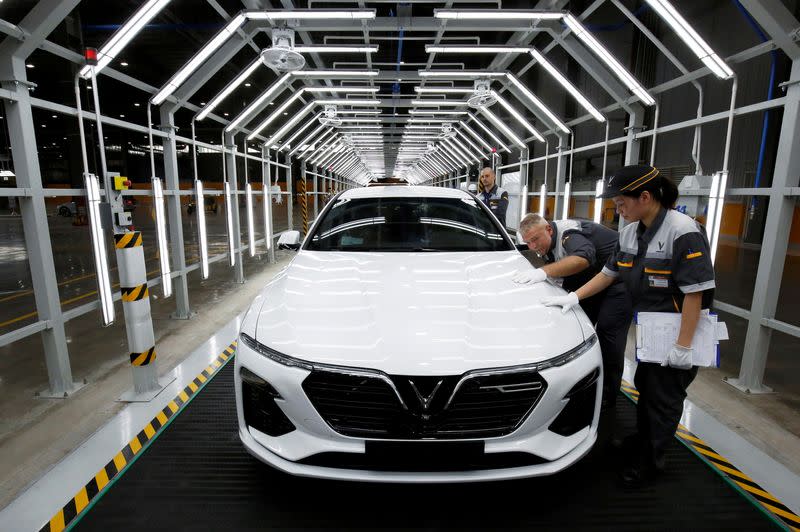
{"points": [[425, 401]]}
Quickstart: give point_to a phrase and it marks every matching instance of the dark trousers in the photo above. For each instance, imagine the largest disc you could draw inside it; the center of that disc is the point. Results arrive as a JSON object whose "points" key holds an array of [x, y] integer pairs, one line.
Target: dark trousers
{"points": [[661, 394], [611, 313]]}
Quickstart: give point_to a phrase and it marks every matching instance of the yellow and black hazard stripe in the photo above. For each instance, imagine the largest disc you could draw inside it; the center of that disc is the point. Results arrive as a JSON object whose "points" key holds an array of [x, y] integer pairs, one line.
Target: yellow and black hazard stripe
{"points": [[135, 293], [746, 485], [143, 358], [97, 485], [304, 204], [128, 240]]}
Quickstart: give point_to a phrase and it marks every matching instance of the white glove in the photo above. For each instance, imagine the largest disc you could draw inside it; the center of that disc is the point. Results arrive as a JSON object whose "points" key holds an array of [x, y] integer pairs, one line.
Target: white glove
{"points": [[679, 357], [565, 302], [531, 275]]}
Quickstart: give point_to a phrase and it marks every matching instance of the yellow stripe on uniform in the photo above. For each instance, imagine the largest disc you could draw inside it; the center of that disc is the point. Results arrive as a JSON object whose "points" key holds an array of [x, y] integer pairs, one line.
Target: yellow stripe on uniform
{"points": [[625, 264], [661, 272], [642, 180], [694, 255]]}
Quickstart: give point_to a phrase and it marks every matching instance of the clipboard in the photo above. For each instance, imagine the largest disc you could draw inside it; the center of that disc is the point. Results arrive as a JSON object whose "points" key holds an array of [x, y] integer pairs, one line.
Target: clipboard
{"points": [[657, 332]]}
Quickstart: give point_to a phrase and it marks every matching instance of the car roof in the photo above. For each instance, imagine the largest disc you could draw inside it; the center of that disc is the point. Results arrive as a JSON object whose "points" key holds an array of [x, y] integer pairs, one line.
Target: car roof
{"points": [[404, 192]]}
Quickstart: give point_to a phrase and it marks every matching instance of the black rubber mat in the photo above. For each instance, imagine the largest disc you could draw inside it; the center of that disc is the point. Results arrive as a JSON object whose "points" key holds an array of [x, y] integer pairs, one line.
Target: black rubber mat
{"points": [[197, 476]]}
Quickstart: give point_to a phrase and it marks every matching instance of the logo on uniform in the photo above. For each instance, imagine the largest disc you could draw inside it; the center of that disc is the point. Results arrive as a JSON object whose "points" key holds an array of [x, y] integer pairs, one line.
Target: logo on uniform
{"points": [[660, 246]]}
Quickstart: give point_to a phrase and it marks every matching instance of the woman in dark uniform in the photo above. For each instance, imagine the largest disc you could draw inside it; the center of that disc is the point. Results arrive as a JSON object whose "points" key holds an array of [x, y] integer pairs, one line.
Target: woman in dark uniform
{"points": [[662, 257]]}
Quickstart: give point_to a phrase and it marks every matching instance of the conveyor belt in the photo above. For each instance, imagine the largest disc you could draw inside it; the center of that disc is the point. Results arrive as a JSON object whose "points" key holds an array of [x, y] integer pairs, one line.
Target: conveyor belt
{"points": [[197, 476]]}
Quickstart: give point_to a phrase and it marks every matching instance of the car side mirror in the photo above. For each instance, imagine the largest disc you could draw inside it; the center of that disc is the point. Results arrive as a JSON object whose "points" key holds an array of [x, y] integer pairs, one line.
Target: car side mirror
{"points": [[289, 240]]}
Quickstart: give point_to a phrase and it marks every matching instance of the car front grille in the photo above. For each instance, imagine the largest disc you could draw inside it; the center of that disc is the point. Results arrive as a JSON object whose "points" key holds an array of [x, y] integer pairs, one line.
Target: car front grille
{"points": [[476, 405]]}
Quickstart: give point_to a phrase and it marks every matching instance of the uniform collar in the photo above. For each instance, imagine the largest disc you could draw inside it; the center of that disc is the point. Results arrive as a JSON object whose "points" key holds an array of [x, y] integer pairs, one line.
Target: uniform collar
{"points": [[554, 238], [647, 233], [490, 192]]}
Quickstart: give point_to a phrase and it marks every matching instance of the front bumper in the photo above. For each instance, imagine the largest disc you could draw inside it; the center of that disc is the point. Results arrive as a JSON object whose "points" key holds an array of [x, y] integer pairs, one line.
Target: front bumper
{"points": [[313, 437]]}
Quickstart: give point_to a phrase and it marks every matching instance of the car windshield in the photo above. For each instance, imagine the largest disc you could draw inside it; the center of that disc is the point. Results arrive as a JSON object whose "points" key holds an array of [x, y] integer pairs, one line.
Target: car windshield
{"points": [[407, 224]]}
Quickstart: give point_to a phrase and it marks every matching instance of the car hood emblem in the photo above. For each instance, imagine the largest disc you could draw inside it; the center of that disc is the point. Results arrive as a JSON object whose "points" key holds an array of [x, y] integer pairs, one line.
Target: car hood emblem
{"points": [[425, 401]]}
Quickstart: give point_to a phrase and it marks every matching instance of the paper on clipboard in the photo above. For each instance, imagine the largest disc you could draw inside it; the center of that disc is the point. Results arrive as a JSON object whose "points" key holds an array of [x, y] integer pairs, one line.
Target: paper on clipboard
{"points": [[657, 332]]}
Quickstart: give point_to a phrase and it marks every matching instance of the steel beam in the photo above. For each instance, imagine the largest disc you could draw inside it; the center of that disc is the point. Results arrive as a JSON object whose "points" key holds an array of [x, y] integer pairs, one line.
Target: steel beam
{"points": [[24, 153], [774, 246], [45, 16], [230, 165], [778, 22], [178, 250]]}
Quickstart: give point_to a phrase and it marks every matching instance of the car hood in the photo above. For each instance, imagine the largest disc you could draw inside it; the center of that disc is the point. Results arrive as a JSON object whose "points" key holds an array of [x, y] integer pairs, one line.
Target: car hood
{"points": [[411, 313]]}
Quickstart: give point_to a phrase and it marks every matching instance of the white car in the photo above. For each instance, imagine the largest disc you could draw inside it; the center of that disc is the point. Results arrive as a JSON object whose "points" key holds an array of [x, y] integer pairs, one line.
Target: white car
{"points": [[396, 348]]}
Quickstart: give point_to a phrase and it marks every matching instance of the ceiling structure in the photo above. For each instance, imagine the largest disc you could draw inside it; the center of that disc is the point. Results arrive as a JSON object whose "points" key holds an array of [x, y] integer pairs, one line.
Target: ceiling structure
{"points": [[413, 90]]}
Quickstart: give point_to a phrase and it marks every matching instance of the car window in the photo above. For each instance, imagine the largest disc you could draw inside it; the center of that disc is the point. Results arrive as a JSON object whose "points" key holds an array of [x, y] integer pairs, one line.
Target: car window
{"points": [[407, 224]]}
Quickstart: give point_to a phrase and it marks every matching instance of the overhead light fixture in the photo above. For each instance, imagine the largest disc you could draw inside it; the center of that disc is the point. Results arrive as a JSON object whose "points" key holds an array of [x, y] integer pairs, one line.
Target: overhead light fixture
{"points": [[267, 213], [443, 90], [275, 114], [458, 49], [598, 201], [333, 73], [362, 120], [346, 101], [491, 134], [285, 128], [257, 103], [357, 112], [337, 49], [229, 223], [201, 227], [341, 89], [542, 199], [161, 236], [692, 39], [120, 39], [716, 204], [569, 87], [538, 103], [469, 141], [518, 117], [611, 62], [251, 231], [435, 103], [99, 249], [309, 123], [452, 74], [232, 86], [502, 127], [495, 14], [567, 190], [313, 14], [434, 112]]}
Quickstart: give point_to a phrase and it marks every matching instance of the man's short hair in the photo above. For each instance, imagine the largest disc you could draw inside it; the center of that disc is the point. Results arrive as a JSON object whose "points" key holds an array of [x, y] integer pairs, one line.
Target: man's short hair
{"points": [[487, 168], [530, 221]]}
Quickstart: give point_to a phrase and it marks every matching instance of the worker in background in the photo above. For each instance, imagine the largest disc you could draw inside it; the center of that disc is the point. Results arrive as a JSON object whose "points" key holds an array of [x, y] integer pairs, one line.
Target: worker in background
{"points": [[662, 257], [493, 196], [576, 251]]}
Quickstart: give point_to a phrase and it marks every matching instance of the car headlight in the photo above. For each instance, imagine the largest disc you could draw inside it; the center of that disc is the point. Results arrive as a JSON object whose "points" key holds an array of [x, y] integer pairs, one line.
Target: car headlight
{"points": [[273, 355], [570, 355]]}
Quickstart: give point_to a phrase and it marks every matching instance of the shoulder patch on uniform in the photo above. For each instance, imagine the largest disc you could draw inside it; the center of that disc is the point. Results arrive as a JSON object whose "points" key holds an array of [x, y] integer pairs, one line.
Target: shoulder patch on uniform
{"points": [[504, 195], [564, 240]]}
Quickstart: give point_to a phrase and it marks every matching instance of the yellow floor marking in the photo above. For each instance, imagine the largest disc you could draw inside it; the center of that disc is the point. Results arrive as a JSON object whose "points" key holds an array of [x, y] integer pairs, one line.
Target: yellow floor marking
{"points": [[223, 356], [711, 454], [216, 363], [193, 386], [733, 472], [81, 500], [202, 378], [173, 406], [119, 461], [101, 479], [57, 522], [183, 396], [757, 491], [135, 445], [691, 438], [161, 418], [209, 369], [149, 430], [782, 513]]}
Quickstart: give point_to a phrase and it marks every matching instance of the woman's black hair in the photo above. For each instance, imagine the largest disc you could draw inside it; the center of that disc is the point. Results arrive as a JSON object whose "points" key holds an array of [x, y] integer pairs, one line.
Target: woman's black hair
{"points": [[662, 188]]}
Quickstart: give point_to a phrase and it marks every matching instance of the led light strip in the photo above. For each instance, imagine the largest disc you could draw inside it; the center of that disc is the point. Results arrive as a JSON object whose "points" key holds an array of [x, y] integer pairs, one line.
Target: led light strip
{"points": [[99, 249], [161, 235]]}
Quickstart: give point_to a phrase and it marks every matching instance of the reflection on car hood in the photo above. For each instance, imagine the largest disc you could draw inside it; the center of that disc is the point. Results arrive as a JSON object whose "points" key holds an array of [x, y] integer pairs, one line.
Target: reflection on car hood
{"points": [[412, 313]]}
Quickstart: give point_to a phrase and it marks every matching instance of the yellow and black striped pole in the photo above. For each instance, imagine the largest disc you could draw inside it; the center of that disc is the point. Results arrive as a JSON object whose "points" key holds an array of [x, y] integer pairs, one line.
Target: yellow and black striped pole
{"points": [[136, 306], [303, 198]]}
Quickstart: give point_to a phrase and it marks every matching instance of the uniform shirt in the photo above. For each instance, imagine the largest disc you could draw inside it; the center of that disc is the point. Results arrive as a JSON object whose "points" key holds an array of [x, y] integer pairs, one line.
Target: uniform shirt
{"points": [[661, 263], [497, 201], [574, 238]]}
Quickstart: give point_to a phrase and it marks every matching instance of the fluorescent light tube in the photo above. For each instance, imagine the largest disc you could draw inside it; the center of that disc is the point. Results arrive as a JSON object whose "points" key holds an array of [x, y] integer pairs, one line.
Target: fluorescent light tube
{"points": [[569, 87], [229, 224], [518, 117], [210, 106], [120, 39], [538, 103], [542, 199], [161, 235], [491, 134], [495, 14], [598, 202], [567, 190], [502, 127], [257, 103], [336, 49], [200, 207], [99, 249]]}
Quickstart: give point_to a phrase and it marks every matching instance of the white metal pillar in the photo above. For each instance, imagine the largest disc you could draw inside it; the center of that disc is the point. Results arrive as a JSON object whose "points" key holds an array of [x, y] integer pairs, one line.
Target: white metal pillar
{"points": [[290, 190], [230, 162], [774, 245], [561, 175], [173, 199], [24, 153]]}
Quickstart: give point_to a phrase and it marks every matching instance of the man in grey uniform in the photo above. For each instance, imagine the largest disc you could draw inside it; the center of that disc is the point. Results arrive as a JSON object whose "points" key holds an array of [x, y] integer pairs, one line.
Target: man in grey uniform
{"points": [[493, 196], [576, 251]]}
